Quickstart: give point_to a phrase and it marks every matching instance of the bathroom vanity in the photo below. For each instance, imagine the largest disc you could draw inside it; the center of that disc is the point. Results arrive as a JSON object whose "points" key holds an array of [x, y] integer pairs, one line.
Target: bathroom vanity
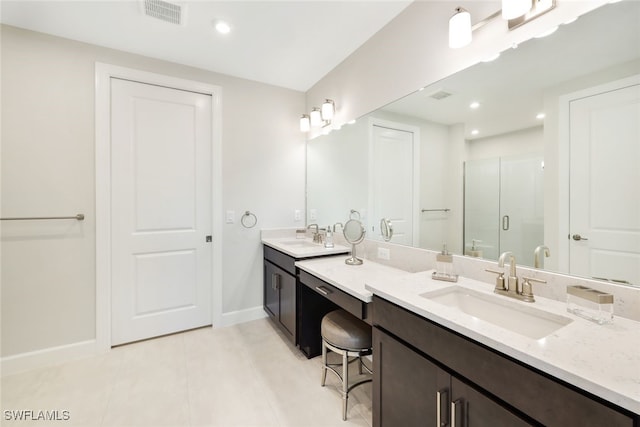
{"points": [[425, 374], [435, 361], [280, 286]]}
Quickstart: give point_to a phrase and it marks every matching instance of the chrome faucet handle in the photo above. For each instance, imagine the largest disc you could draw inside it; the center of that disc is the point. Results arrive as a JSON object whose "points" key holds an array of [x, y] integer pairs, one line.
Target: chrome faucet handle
{"points": [[499, 279], [527, 288]]}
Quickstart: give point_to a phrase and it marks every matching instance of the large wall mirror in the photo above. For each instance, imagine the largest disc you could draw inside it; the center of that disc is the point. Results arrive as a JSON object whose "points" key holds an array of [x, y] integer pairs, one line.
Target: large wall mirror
{"points": [[537, 148]]}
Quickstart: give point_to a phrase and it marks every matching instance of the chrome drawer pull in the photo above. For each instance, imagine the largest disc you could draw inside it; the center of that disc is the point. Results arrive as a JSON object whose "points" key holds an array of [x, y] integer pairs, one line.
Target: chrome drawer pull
{"points": [[323, 290]]}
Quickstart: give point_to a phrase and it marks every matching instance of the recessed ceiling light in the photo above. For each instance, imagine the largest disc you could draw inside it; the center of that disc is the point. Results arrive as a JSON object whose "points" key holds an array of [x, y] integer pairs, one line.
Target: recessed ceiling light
{"points": [[474, 105], [222, 27], [475, 132], [540, 116]]}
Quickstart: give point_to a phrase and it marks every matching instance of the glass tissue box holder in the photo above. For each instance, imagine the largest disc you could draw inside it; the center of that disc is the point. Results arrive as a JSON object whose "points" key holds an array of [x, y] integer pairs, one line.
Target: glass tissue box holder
{"points": [[590, 304]]}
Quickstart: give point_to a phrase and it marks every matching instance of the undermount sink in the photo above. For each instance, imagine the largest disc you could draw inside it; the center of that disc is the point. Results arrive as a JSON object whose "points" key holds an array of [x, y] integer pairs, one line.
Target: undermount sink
{"points": [[528, 321]]}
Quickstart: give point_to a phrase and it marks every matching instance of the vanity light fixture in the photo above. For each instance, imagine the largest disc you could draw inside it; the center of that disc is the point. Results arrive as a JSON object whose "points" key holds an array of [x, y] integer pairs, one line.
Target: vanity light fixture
{"points": [[516, 12], [475, 132], [540, 116], [318, 117], [474, 105]]}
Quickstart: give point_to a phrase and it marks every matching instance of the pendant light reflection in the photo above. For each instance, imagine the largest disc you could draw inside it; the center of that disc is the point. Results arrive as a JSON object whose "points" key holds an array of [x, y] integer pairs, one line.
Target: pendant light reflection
{"points": [[460, 29]]}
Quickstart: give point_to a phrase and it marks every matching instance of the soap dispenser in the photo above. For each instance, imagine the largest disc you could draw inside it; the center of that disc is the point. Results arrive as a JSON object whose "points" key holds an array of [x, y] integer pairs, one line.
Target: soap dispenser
{"points": [[444, 266], [474, 251], [328, 238]]}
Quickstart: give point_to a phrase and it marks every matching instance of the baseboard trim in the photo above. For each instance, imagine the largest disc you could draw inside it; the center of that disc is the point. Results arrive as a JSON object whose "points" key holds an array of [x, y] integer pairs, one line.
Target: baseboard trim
{"points": [[241, 316], [47, 357]]}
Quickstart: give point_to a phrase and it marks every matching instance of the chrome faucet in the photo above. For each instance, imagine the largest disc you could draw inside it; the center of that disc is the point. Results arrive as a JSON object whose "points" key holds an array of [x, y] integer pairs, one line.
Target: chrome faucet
{"points": [[317, 238], [512, 288], [538, 261], [338, 223], [512, 282]]}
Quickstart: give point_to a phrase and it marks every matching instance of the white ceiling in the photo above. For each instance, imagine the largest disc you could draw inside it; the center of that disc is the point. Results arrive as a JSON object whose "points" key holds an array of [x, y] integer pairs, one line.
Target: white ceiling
{"points": [[292, 44]]}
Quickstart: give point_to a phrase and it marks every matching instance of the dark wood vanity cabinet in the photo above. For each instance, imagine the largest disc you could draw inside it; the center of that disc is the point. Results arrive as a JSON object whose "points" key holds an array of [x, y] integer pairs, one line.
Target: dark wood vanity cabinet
{"points": [[414, 391], [280, 290], [420, 367]]}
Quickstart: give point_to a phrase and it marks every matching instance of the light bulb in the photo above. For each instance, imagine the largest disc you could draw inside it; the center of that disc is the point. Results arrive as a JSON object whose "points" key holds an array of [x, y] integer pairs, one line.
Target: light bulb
{"points": [[328, 109], [316, 117], [305, 125], [512, 9], [460, 29]]}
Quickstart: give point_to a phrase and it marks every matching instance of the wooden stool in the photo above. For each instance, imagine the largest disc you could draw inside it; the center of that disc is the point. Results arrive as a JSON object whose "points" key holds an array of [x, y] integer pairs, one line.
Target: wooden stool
{"points": [[348, 336]]}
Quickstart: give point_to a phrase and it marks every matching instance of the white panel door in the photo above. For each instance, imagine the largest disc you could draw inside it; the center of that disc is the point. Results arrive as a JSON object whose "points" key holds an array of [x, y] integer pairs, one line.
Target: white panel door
{"points": [[605, 185], [161, 210], [392, 181]]}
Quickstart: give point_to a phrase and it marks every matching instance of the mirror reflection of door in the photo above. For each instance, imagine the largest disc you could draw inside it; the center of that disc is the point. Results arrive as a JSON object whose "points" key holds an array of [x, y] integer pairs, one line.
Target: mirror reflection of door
{"points": [[504, 207], [604, 189], [393, 184]]}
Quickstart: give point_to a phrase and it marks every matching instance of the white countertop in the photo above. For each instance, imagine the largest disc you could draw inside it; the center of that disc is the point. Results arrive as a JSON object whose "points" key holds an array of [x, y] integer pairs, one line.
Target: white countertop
{"points": [[302, 248], [349, 278], [601, 359]]}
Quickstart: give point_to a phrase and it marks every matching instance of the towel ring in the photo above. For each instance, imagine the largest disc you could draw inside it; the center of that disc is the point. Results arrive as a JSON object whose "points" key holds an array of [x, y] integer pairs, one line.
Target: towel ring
{"points": [[247, 221]]}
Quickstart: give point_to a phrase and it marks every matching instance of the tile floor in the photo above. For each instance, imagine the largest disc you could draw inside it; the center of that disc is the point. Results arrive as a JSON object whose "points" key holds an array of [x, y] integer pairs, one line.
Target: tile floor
{"points": [[243, 375]]}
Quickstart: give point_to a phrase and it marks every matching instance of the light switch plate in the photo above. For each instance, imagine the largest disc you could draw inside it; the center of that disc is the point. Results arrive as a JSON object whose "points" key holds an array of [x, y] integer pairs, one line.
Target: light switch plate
{"points": [[313, 215], [297, 215], [231, 217]]}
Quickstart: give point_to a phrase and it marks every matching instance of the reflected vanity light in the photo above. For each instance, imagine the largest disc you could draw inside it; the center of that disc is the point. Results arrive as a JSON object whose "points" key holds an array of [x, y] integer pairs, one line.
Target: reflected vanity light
{"points": [[540, 116], [318, 116], [475, 132], [474, 105]]}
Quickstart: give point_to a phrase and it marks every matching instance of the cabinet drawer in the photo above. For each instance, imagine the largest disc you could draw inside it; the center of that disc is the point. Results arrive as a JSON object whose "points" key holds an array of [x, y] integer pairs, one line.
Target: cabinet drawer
{"points": [[350, 303], [283, 261], [545, 399]]}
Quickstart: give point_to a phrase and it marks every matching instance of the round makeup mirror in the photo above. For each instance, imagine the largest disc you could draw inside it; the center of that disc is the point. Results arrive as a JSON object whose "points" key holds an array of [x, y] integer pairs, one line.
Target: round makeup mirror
{"points": [[386, 229], [353, 233]]}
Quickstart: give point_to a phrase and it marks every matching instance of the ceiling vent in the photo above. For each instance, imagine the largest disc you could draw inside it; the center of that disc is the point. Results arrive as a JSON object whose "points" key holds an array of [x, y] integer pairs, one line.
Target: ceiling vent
{"points": [[168, 12], [441, 94]]}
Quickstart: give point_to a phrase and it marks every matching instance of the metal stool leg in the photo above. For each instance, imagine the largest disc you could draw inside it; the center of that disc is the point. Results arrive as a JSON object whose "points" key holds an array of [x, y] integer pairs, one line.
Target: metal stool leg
{"points": [[345, 384], [324, 364]]}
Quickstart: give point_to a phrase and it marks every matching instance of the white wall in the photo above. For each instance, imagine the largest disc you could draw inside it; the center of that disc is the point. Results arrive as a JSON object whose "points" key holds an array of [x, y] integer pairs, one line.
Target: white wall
{"points": [[48, 268]]}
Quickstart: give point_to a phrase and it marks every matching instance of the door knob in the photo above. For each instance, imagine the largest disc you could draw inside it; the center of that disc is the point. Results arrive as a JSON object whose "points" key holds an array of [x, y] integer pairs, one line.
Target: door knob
{"points": [[578, 237]]}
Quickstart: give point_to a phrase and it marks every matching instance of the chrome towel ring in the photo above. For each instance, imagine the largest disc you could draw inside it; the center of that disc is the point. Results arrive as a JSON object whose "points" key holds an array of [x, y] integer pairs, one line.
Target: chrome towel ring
{"points": [[249, 219]]}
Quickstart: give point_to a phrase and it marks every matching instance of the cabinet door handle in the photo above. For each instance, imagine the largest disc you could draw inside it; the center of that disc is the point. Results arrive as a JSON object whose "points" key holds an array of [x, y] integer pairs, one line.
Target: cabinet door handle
{"points": [[454, 418], [323, 290], [275, 281], [441, 421]]}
